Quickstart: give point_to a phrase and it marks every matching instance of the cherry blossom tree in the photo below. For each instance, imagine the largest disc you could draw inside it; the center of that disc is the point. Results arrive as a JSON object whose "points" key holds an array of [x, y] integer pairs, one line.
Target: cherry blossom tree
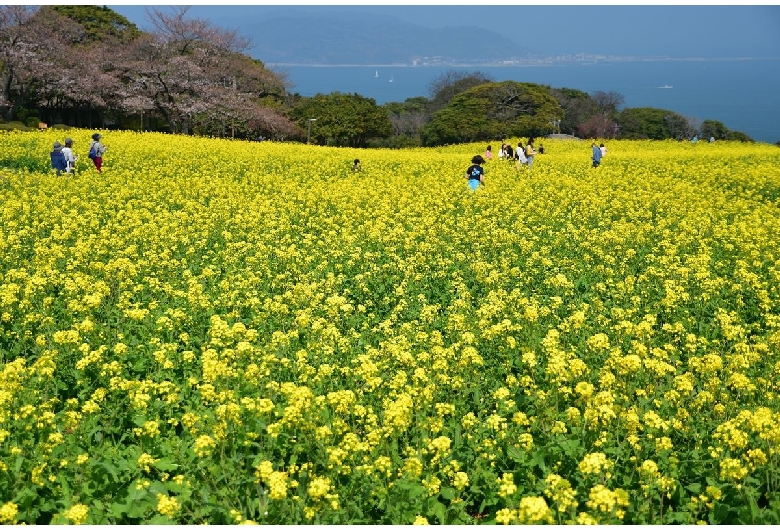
{"points": [[195, 75], [23, 57]]}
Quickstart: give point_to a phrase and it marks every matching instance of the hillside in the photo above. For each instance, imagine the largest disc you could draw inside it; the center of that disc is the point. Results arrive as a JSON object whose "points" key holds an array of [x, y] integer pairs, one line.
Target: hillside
{"points": [[360, 38]]}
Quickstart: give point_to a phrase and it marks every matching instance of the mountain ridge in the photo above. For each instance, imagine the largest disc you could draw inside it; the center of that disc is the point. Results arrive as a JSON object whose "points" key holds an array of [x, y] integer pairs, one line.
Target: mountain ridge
{"points": [[366, 39]]}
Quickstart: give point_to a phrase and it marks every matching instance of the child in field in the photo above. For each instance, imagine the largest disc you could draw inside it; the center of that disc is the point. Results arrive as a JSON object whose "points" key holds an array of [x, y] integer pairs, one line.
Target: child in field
{"points": [[356, 166], [476, 173]]}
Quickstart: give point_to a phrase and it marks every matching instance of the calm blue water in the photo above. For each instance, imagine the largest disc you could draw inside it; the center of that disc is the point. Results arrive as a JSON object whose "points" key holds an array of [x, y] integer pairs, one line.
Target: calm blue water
{"points": [[742, 94]]}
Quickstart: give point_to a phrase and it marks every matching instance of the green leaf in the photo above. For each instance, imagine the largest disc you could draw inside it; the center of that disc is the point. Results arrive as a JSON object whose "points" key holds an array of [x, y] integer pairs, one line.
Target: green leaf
{"points": [[65, 486], [439, 511], [166, 464], [449, 493], [516, 454], [694, 487]]}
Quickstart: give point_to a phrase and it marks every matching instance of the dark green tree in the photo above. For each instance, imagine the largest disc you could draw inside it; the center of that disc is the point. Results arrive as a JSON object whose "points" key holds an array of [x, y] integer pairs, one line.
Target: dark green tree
{"points": [[96, 23], [714, 129], [342, 119], [451, 83], [494, 111], [578, 107], [651, 123], [739, 136]]}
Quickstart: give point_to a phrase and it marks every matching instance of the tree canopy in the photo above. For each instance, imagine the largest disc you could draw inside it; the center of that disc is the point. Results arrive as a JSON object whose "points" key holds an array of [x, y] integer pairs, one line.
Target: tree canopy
{"points": [[494, 110], [97, 23], [343, 119]]}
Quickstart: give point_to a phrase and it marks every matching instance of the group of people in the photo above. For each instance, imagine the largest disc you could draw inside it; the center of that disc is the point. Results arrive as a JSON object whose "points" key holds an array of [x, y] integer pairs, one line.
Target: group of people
{"points": [[599, 151], [63, 159], [524, 155]]}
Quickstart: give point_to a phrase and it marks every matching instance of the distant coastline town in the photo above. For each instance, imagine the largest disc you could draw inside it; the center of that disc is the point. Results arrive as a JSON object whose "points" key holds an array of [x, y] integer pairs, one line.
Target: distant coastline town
{"points": [[547, 60]]}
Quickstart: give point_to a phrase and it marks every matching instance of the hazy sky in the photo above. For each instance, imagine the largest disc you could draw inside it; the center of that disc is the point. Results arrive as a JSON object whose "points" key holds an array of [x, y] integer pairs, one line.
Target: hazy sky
{"points": [[670, 30]]}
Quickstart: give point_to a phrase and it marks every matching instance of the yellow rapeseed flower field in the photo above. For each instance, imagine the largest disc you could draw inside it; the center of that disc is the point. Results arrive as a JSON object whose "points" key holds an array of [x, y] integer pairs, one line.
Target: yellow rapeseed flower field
{"points": [[216, 331]]}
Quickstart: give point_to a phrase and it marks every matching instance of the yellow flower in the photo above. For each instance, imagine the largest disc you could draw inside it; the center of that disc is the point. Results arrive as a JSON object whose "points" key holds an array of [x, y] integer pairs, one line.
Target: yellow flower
{"points": [[461, 480], [145, 462], [204, 446], [77, 514], [534, 510], [505, 516], [432, 485], [167, 505], [732, 469], [595, 463], [559, 490], [506, 485], [8, 512], [605, 500], [584, 389], [319, 487], [277, 485]]}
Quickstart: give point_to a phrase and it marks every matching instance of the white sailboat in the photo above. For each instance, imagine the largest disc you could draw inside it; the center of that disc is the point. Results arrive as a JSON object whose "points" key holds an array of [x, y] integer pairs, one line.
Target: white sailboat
{"points": [[391, 79], [376, 74]]}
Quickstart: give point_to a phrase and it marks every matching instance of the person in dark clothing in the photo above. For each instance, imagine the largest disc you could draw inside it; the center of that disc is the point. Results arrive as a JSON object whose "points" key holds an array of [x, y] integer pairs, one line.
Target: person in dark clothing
{"points": [[58, 161], [596, 155], [476, 173], [509, 154]]}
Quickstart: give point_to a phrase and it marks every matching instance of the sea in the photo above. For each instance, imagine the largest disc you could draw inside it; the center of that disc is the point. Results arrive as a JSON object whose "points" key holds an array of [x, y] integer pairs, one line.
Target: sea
{"points": [[740, 93]]}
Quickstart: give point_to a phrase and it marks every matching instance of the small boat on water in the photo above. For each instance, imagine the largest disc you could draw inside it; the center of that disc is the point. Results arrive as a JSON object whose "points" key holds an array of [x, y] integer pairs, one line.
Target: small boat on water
{"points": [[391, 79], [665, 86], [376, 74]]}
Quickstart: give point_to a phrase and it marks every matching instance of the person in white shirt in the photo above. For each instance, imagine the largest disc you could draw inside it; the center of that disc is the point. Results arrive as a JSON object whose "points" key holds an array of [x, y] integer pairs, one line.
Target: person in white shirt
{"points": [[70, 158], [603, 150]]}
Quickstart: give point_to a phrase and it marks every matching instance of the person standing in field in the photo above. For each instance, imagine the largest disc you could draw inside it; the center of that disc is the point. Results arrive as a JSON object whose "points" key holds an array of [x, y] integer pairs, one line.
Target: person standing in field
{"points": [[521, 159], [57, 158], [529, 152], [596, 155], [489, 153], [356, 166], [603, 150], [509, 154], [476, 173], [96, 152], [70, 158]]}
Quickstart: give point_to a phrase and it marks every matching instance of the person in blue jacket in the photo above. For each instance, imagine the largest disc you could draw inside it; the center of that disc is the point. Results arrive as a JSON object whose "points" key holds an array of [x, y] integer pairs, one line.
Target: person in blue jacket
{"points": [[58, 161], [596, 155], [476, 173]]}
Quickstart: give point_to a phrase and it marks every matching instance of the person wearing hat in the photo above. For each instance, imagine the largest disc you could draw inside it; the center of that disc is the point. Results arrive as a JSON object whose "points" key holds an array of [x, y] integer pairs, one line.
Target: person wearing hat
{"points": [[57, 158], [70, 158], [96, 151], [476, 173]]}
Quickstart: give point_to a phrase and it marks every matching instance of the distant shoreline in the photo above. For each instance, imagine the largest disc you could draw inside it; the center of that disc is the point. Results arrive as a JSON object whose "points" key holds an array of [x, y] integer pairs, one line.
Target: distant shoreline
{"points": [[548, 61]]}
